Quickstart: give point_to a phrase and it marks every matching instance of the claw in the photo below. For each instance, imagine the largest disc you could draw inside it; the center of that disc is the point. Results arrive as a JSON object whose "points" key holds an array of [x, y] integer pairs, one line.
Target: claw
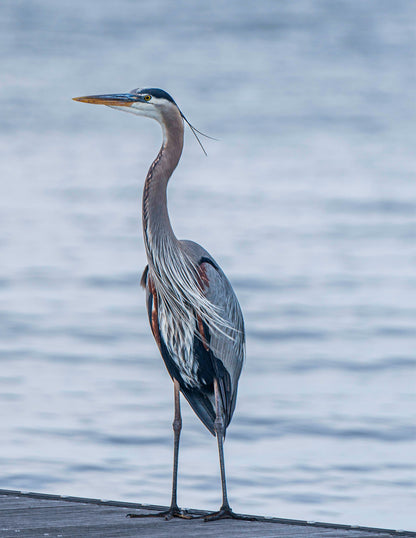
{"points": [[227, 513]]}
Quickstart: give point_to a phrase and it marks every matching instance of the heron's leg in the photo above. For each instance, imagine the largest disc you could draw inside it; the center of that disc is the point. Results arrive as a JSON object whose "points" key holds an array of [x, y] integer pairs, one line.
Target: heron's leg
{"points": [[219, 427], [174, 510], [177, 427], [220, 432]]}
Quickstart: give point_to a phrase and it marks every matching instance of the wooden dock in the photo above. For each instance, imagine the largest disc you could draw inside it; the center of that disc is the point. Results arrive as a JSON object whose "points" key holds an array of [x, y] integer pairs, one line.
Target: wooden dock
{"points": [[39, 515]]}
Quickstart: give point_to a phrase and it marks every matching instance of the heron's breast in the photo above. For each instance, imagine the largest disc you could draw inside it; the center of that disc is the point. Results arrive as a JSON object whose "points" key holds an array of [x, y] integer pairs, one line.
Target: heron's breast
{"points": [[178, 334]]}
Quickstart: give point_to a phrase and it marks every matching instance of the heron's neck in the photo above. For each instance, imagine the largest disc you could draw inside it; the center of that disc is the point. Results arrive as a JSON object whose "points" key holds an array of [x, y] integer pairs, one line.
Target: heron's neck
{"points": [[157, 229]]}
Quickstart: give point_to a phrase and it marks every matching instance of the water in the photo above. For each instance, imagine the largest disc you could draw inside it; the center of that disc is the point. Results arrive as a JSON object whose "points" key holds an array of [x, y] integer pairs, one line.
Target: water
{"points": [[309, 204]]}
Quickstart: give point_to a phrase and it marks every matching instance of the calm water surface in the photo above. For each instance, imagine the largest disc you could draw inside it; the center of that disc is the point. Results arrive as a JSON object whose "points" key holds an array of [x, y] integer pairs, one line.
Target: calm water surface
{"points": [[308, 202]]}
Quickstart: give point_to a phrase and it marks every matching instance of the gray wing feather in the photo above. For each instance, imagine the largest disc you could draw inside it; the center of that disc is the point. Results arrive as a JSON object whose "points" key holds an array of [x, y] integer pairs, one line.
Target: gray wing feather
{"points": [[227, 344]]}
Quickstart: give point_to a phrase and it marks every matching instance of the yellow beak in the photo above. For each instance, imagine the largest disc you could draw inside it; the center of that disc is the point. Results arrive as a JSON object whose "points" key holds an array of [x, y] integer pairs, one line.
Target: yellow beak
{"points": [[114, 99]]}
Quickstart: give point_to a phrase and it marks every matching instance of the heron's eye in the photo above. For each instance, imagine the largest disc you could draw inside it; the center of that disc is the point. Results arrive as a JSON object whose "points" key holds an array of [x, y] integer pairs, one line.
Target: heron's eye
{"points": [[147, 97]]}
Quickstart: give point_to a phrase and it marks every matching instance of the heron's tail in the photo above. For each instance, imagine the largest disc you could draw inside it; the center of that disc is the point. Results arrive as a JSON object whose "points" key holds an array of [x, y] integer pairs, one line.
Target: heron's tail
{"points": [[202, 405]]}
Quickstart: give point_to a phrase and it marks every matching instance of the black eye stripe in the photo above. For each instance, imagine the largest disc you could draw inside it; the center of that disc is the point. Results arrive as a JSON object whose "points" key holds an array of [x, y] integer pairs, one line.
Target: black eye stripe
{"points": [[158, 93], [153, 92]]}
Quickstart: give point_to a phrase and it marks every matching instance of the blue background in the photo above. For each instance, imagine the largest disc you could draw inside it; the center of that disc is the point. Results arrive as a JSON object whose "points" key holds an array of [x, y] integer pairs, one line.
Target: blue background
{"points": [[308, 202]]}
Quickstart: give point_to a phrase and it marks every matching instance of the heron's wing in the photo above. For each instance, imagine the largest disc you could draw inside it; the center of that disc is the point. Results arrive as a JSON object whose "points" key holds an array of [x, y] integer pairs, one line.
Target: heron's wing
{"points": [[226, 344], [201, 401], [218, 350]]}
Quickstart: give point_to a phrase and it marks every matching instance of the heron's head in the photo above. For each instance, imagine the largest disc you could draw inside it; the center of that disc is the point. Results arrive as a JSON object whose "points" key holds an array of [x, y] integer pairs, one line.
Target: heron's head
{"points": [[151, 102]]}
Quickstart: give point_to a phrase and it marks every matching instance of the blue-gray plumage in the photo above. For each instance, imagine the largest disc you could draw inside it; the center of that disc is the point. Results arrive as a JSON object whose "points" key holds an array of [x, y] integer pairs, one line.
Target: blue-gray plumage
{"points": [[214, 352], [193, 312]]}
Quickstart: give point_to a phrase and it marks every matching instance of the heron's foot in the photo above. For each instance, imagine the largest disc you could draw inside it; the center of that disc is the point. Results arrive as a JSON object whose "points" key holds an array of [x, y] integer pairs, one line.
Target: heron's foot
{"points": [[225, 512], [174, 511]]}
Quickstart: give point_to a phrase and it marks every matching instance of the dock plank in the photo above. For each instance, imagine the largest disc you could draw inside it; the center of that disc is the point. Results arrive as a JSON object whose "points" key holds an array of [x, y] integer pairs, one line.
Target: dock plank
{"points": [[38, 515]]}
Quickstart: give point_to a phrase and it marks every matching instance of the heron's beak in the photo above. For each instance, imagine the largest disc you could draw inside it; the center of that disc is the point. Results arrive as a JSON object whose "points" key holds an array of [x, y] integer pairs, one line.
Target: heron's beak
{"points": [[114, 99]]}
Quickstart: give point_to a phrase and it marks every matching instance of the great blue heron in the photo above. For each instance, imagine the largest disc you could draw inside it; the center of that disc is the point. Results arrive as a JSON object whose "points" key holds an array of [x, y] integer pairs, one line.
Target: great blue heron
{"points": [[193, 312]]}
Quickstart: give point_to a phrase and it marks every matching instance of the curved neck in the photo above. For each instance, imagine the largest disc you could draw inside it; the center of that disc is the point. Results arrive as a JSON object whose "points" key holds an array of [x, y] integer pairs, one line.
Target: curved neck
{"points": [[157, 229]]}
